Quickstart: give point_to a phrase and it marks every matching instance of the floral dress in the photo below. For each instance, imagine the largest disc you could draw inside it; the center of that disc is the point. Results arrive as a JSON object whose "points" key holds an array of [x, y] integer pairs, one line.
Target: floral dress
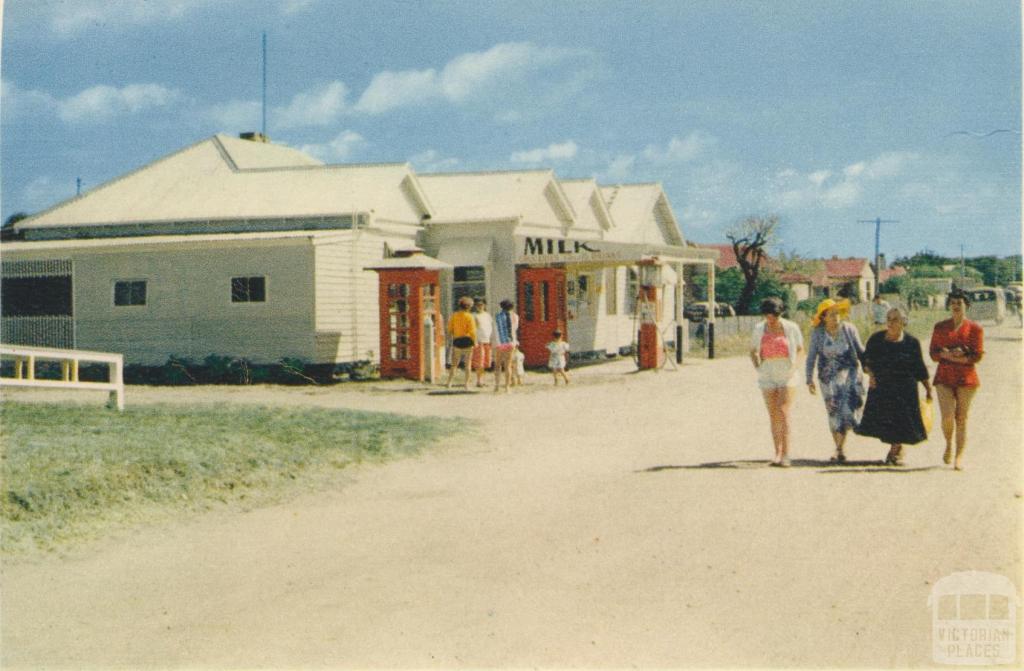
{"points": [[838, 374]]}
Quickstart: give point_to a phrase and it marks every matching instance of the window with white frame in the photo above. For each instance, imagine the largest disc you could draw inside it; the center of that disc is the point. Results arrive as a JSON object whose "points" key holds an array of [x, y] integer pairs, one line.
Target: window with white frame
{"points": [[249, 289], [129, 292], [632, 288], [468, 281]]}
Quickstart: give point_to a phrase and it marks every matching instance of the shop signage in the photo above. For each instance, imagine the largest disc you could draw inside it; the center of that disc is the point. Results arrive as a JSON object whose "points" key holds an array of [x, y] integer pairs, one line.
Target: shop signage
{"points": [[533, 247]]}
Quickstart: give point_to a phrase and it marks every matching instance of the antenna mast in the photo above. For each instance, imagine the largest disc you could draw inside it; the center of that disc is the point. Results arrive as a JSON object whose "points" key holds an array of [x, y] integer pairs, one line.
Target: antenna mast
{"points": [[263, 127]]}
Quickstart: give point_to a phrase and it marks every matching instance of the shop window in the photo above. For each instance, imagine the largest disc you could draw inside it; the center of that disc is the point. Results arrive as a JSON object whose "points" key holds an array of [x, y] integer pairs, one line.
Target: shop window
{"points": [[36, 296], [545, 314], [129, 292], [528, 312], [611, 291], [249, 289], [398, 315], [632, 289], [468, 281]]}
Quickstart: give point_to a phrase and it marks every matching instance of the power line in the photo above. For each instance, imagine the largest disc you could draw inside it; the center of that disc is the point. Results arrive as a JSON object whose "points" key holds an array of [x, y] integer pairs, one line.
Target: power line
{"points": [[877, 221]]}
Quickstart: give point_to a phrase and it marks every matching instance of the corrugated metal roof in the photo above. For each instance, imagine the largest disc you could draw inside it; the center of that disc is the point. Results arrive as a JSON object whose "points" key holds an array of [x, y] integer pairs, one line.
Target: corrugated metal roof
{"points": [[633, 206], [588, 203], [101, 243], [227, 178], [483, 196]]}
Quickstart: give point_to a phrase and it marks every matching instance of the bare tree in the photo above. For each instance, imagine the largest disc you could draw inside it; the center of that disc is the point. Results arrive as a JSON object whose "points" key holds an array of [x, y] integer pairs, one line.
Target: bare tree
{"points": [[749, 239]]}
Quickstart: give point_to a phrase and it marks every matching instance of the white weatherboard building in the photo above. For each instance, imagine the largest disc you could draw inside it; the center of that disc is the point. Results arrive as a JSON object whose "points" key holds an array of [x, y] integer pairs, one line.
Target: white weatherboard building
{"points": [[243, 248]]}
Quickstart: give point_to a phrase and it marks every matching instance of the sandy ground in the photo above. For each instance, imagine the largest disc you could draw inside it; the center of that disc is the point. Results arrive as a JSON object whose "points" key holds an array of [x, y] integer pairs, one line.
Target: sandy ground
{"points": [[627, 520]]}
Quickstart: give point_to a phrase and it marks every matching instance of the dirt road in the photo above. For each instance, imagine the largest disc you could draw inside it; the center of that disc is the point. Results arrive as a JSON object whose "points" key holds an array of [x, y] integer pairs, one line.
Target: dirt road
{"points": [[628, 520]]}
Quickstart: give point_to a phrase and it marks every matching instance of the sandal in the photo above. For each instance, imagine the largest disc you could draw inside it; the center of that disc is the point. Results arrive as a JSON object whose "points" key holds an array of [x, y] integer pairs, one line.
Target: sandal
{"points": [[838, 458]]}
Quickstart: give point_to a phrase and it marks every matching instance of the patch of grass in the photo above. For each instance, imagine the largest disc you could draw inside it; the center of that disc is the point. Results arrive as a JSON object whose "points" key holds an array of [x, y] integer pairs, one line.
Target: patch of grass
{"points": [[70, 471]]}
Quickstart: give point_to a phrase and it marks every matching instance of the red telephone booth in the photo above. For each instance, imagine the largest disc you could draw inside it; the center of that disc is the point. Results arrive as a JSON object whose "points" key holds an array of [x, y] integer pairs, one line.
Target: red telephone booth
{"points": [[411, 330]]}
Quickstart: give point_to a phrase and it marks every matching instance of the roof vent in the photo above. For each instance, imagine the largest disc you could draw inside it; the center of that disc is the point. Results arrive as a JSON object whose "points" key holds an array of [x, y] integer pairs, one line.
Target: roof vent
{"points": [[254, 137]]}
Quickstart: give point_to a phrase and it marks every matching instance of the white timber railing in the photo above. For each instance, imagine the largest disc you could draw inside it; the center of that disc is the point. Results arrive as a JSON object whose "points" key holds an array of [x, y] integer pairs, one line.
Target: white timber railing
{"points": [[25, 359]]}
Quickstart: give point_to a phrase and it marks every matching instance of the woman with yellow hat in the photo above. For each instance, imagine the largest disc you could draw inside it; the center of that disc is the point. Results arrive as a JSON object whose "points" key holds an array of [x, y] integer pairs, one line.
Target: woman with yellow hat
{"points": [[836, 348]]}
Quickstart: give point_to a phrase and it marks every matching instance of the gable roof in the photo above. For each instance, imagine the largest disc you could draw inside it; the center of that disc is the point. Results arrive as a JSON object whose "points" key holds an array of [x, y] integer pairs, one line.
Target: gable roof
{"points": [[224, 178], [634, 207], [488, 196], [588, 202], [850, 267]]}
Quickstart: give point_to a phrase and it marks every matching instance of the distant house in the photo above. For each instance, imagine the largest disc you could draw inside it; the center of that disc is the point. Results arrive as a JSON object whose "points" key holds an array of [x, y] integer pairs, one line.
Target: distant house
{"points": [[850, 277], [887, 274], [800, 284]]}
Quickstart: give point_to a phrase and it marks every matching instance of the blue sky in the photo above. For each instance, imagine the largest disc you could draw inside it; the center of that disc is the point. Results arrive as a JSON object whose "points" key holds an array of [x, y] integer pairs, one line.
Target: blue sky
{"points": [[823, 112]]}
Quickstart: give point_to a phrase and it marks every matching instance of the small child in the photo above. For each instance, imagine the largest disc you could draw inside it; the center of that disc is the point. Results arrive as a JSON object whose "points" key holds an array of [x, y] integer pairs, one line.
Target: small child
{"points": [[519, 369], [557, 350]]}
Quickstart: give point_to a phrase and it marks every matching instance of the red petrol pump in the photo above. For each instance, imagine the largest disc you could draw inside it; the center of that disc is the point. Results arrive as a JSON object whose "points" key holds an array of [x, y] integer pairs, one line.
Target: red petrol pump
{"points": [[650, 353], [411, 329]]}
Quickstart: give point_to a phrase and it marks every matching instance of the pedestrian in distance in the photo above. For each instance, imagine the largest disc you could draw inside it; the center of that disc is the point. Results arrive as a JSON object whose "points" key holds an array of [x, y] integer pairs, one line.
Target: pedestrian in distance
{"points": [[879, 309], [462, 329], [519, 370], [774, 347], [836, 349], [504, 340], [558, 351], [957, 344], [895, 366], [482, 349]]}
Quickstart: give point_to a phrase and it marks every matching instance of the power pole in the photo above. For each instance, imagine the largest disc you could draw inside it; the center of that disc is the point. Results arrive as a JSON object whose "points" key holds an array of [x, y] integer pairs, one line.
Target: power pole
{"points": [[263, 127], [877, 221]]}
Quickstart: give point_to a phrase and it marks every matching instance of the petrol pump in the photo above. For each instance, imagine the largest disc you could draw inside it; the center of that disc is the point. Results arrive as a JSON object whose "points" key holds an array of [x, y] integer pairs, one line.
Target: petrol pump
{"points": [[650, 354], [411, 330]]}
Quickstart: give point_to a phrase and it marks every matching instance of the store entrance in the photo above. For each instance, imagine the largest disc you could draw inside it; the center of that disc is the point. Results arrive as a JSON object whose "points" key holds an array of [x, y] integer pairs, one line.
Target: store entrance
{"points": [[541, 310]]}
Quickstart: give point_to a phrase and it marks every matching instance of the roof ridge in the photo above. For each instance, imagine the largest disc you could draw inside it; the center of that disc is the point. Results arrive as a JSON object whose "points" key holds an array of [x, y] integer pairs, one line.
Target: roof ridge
{"points": [[120, 178], [485, 172]]}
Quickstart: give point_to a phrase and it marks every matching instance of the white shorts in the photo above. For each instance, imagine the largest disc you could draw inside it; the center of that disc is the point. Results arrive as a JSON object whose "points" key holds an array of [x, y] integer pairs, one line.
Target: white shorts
{"points": [[775, 374]]}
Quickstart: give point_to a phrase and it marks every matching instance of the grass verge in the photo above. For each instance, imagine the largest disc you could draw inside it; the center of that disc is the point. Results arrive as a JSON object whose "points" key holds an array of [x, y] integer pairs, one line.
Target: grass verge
{"points": [[69, 472]]}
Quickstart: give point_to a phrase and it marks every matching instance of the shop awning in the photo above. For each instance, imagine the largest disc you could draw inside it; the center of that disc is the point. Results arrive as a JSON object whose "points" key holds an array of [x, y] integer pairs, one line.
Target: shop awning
{"points": [[466, 251]]}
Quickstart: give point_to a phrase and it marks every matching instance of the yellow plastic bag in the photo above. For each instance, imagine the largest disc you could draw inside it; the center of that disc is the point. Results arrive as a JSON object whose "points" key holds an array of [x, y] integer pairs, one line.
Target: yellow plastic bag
{"points": [[927, 414]]}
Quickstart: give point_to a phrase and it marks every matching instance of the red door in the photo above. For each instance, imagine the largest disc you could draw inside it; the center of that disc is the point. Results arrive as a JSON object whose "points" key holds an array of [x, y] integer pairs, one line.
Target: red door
{"points": [[541, 310]]}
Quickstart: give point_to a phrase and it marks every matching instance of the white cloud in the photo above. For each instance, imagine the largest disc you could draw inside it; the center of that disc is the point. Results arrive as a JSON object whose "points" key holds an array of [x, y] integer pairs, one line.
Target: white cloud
{"points": [[469, 74], [818, 177], [235, 115], [103, 102], [389, 90], [319, 107], [341, 148], [831, 190], [431, 161], [619, 169], [296, 6], [553, 152], [17, 102], [67, 18], [501, 76], [681, 151]]}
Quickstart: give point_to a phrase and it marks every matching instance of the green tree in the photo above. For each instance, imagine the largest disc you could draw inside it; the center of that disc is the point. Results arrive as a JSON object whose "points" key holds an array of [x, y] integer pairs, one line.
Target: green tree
{"points": [[7, 230]]}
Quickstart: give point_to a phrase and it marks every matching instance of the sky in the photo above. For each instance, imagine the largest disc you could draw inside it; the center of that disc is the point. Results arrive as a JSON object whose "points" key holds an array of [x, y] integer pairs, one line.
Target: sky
{"points": [[824, 113]]}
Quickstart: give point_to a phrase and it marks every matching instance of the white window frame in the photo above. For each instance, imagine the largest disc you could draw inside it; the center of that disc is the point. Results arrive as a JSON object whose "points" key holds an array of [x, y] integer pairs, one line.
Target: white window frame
{"points": [[266, 289], [119, 280]]}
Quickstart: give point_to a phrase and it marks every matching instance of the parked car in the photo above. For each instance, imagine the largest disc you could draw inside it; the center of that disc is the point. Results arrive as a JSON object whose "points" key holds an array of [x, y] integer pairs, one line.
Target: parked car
{"points": [[698, 310], [987, 303]]}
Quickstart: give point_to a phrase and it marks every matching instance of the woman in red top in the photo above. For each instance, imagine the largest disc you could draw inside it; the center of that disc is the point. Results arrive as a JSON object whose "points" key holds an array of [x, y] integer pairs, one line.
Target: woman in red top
{"points": [[957, 344]]}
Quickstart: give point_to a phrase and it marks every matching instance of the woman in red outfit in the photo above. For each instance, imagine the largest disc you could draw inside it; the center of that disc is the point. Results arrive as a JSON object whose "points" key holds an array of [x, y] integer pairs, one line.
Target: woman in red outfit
{"points": [[957, 344]]}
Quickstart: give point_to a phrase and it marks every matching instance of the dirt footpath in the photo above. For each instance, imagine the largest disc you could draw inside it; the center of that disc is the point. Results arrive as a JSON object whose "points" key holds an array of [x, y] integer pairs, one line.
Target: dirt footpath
{"points": [[627, 520]]}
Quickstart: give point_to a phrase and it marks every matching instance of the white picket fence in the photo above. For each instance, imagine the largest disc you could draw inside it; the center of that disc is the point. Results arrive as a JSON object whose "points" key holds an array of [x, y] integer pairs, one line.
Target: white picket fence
{"points": [[26, 358]]}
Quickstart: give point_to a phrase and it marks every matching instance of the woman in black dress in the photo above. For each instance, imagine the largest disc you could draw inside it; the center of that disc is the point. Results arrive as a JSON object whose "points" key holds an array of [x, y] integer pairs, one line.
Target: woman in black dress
{"points": [[894, 364]]}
